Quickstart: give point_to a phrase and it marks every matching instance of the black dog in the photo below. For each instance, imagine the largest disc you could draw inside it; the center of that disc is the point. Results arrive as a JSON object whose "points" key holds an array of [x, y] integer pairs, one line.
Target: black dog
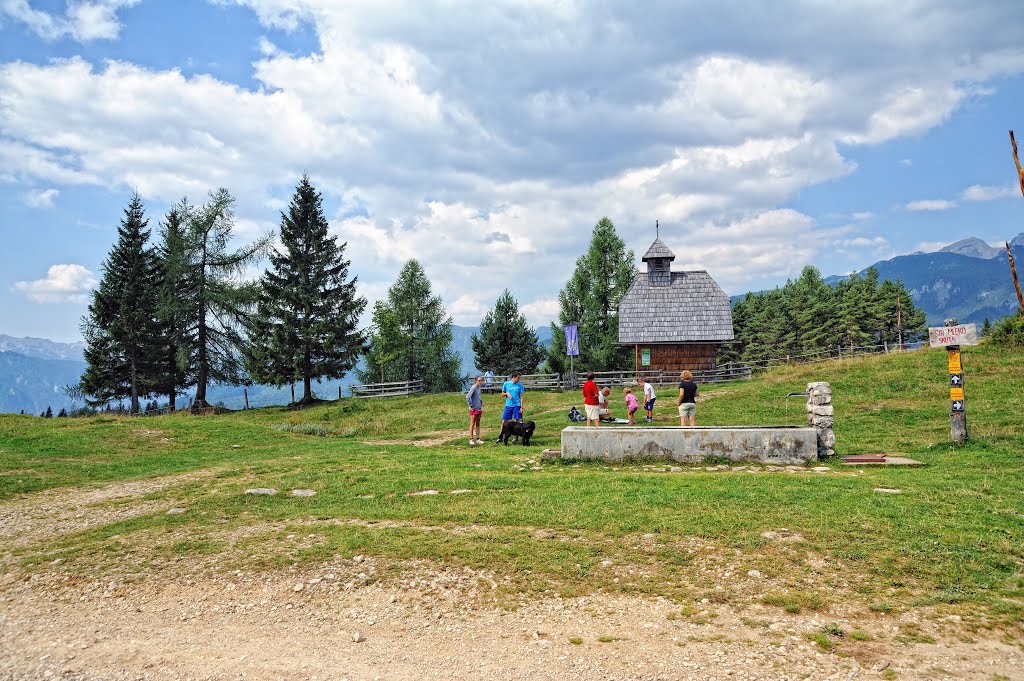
{"points": [[520, 430]]}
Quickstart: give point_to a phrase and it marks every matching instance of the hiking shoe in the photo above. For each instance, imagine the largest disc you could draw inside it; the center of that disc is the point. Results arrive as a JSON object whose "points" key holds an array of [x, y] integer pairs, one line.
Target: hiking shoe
{"points": [[479, 442]]}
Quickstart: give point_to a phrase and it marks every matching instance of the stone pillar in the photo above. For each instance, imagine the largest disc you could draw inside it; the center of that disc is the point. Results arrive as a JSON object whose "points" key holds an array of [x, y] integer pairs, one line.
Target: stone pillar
{"points": [[821, 415]]}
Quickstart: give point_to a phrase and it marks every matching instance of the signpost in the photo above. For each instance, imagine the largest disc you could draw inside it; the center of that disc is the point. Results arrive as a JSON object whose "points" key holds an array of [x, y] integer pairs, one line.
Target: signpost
{"points": [[952, 336]]}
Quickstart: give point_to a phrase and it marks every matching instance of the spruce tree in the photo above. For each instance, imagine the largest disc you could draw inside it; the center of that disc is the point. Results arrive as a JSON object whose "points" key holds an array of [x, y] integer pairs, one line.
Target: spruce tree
{"points": [[48, 414], [306, 324], [219, 305], [506, 343], [121, 328], [176, 311], [591, 298], [411, 336]]}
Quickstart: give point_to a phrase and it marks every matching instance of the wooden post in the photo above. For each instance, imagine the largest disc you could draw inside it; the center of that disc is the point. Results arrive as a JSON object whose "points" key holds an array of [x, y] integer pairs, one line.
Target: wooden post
{"points": [[245, 391], [1016, 282], [339, 392], [1016, 162], [958, 405], [293, 393]]}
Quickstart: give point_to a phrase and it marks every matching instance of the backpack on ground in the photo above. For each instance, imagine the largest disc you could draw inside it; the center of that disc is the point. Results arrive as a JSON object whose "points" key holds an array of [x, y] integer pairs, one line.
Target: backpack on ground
{"points": [[575, 415]]}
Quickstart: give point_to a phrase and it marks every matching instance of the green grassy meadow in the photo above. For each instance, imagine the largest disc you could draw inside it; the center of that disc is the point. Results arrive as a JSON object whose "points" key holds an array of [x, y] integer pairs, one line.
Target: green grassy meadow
{"points": [[951, 542]]}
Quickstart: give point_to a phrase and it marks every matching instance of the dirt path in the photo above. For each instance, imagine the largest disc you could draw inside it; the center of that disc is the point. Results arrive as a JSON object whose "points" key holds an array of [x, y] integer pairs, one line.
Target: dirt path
{"points": [[33, 518], [244, 626], [336, 622]]}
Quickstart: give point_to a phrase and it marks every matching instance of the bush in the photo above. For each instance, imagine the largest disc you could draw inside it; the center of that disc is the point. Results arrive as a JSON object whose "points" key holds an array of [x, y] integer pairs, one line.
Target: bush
{"points": [[1008, 331]]}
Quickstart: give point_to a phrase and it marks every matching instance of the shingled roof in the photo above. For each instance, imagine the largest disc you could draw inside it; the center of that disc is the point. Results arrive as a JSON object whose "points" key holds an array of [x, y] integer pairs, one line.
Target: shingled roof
{"points": [[693, 308], [658, 250]]}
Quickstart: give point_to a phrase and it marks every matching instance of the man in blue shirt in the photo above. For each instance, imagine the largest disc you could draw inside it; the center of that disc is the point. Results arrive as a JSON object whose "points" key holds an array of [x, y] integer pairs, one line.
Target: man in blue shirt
{"points": [[512, 391]]}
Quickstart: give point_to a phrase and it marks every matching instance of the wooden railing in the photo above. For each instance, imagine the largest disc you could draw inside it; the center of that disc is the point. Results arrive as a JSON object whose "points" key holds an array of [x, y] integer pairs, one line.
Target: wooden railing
{"points": [[393, 389]]}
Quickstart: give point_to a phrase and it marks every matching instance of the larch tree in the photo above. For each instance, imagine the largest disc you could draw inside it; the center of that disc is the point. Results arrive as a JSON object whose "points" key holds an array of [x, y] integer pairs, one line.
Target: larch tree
{"points": [[218, 300], [591, 299], [306, 325]]}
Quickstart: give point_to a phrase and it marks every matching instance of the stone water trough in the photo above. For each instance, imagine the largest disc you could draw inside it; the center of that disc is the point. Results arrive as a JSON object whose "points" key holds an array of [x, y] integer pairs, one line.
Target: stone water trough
{"points": [[762, 444]]}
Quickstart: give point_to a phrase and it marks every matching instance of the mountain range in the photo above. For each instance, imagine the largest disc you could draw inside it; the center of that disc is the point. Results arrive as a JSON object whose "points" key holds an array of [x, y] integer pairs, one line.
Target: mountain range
{"points": [[969, 280], [34, 371]]}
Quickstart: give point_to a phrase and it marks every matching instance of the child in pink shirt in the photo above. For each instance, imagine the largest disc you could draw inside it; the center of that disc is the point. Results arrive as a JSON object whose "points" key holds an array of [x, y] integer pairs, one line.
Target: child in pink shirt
{"points": [[631, 404]]}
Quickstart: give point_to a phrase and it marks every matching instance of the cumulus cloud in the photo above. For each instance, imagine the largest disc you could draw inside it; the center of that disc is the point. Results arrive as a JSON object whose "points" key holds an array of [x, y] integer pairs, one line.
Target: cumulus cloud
{"points": [[62, 284], [490, 160], [977, 192], [930, 205], [83, 20], [41, 198]]}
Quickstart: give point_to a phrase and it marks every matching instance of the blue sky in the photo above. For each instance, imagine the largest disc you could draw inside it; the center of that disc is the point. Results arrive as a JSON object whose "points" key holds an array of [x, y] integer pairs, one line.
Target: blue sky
{"points": [[486, 140]]}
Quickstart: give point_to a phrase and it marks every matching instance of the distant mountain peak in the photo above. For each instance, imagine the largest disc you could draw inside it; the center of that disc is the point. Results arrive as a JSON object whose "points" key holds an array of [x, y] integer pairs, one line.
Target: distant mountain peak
{"points": [[42, 348], [1018, 240], [972, 247]]}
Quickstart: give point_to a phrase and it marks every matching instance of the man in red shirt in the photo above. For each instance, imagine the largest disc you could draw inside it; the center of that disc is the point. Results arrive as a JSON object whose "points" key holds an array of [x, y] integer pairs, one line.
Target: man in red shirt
{"points": [[590, 402]]}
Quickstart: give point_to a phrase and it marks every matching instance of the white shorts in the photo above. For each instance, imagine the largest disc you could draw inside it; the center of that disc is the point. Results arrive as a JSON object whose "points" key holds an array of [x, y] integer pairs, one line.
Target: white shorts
{"points": [[593, 411], [687, 409]]}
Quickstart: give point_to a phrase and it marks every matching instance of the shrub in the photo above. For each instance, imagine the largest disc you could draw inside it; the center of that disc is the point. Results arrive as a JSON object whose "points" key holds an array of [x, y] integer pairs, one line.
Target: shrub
{"points": [[1008, 331]]}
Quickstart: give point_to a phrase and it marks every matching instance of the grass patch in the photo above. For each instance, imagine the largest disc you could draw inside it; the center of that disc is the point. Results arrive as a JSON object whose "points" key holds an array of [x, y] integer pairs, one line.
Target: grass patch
{"points": [[306, 429], [952, 540], [795, 601]]}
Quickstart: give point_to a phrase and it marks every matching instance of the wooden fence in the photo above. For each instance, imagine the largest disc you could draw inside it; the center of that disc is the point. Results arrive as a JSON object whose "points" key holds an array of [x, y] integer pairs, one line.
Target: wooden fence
{"points": [[393, 389], [531, 381]]}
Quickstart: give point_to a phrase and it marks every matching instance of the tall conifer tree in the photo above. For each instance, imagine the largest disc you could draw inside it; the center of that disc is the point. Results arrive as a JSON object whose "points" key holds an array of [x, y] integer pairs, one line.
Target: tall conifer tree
{"points": [[306, 324], [506, 343], [591, 298], [177, 314], [121, 330], [219, 304], [411, 338]]}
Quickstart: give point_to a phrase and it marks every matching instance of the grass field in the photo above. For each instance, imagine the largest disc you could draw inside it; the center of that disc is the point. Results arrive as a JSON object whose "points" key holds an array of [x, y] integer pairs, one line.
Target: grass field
{"points": [[952, 542]]}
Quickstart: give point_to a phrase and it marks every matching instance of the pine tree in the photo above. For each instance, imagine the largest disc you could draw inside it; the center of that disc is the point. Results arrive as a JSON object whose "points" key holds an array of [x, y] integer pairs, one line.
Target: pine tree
{"points": [[306, 324], [48, 414], [986, 328], [219, 306], [506, 343], [591, 298], [63, 413], [120, 329], [411, 338]]}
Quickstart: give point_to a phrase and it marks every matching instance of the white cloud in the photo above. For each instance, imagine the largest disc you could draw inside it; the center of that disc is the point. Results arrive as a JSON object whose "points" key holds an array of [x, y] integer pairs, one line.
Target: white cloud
{"points": [[41, 198], [930, 205], [83, 20], [489, 160], [906, 162], [863, 215], [977, 192], [63, 284], [865, 242]]}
